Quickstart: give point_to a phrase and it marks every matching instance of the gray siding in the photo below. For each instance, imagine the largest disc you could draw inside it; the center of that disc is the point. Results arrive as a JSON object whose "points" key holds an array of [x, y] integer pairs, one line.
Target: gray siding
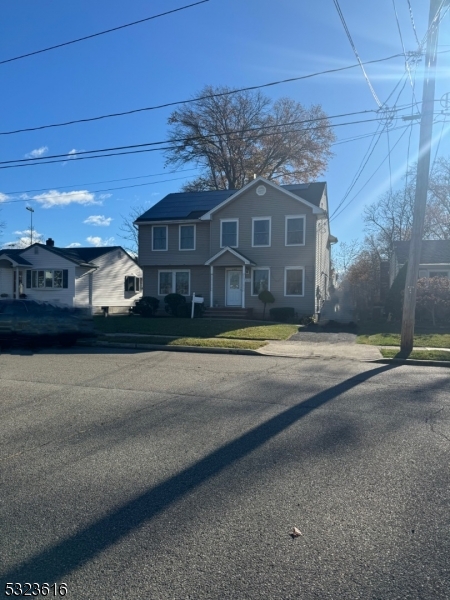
{"points": [[174, 256]]}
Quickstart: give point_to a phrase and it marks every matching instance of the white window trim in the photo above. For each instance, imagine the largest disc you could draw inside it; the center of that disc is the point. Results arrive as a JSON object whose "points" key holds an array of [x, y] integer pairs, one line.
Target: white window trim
{"points": [[167, 239], [45, 287], [251, 283], [253, 232], [303, 281], [173, 271], [287, 217], [237, 231], [179, 237]]}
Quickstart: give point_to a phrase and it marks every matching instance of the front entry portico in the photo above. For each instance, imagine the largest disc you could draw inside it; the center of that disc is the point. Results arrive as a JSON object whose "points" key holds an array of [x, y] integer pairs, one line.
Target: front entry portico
{"points": [[235, 266]]}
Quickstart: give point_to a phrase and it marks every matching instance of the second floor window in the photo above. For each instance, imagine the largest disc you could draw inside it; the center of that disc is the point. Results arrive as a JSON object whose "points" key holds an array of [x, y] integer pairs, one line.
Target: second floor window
{"points": [[295, 231], [187, 237], [261, 232], [229, 233], [160, 237]]}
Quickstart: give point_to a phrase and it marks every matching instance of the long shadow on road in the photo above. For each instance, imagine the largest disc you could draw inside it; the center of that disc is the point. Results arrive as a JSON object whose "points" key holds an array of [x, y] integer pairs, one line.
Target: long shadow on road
{"points": [[78, 549]]}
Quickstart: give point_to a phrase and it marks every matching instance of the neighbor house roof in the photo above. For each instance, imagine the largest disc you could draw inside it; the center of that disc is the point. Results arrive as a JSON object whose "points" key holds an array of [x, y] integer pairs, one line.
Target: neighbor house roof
{"points": [[82, 256], [14, 254], [433, 252], [192, 205]]}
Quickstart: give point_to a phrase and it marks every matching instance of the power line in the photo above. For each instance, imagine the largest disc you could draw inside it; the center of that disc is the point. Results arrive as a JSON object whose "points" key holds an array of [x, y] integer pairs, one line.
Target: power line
{"points": [[198, 98], [93, 35], [144, 147], [411, 16], [123, 187], [341, 16], [98, 182]]}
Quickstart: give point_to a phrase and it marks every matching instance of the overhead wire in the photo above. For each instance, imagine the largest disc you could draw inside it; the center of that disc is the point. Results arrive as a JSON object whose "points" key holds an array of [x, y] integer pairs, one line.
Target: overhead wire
{"points": [[198, 98], [366, 77], [83, 154], [411, 16], [93, 35]]}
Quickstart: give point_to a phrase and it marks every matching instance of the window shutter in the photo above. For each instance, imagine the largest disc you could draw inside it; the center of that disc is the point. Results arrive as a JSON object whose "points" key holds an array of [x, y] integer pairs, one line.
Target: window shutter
{"points": [[28, 278], [65, 278], [125, 289]]}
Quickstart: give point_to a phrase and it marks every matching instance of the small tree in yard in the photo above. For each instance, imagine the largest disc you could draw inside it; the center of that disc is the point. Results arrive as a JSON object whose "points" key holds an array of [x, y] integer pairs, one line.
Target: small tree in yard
{"points": [[433, 297], [266, 297]]}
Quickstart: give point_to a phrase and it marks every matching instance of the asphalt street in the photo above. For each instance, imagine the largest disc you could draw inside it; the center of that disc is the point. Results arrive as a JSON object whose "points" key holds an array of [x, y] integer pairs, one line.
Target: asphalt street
{"points": [[163, 475]]}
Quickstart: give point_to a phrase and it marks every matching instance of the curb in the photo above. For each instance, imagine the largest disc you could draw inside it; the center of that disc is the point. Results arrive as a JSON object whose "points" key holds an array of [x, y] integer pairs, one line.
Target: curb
{"points": [[198, 349], [412, 361]]}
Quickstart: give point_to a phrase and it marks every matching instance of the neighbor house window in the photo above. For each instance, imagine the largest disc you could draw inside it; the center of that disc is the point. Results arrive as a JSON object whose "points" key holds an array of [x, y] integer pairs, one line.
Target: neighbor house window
{"points": [[160, 237], [229, 233], [171, 282], [260, 281], [295, 231], [48, 278], [187, 237], [294, 281], [438, 274], [261, 231], [133, 284]]}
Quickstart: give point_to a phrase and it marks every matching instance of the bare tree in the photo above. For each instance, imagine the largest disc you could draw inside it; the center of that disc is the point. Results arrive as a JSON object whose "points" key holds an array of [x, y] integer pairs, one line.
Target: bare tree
{"points": [[344, 256], [129, 231], [232, 137]]}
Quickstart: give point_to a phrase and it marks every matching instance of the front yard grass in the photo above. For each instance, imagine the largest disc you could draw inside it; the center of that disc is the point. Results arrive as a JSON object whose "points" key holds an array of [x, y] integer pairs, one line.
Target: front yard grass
{"points": [[417, 354], [388, 334], [196, 328], [185, 341]]}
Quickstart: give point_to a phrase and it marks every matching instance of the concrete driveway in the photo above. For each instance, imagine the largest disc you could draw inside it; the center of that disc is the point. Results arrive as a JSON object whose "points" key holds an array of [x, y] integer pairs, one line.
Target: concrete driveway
{"points": [[309, 344], [160, 475]]}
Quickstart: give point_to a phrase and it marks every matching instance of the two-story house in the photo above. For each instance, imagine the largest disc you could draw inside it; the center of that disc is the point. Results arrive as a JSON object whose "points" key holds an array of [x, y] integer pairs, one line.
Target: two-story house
{"points": [[228, 245], [434, 258]]}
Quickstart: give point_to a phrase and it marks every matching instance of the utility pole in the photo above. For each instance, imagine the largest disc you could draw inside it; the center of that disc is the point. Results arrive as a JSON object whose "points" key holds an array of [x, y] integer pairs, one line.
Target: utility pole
{"points": [[423, 170]]}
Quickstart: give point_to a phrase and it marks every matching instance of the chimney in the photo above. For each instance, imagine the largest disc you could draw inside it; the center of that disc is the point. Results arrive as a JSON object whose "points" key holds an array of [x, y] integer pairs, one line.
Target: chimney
{"points": [[50, 242]]}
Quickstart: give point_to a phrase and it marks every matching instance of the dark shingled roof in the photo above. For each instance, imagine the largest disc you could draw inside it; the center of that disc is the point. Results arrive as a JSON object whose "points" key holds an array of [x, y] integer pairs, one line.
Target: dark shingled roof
{"points": [[81, 255], [14, 253], [192, 205], [432, 252]]}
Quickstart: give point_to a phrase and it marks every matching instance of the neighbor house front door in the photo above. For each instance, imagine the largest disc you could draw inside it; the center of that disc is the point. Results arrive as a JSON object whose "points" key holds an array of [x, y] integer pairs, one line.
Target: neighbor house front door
{"points": [[233, 288]]}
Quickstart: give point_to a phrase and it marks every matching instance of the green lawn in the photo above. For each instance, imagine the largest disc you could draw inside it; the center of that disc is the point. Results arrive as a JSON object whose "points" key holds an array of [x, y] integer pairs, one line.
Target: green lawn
{"points": [[418, 354], [196, 328], [433, 340], [186, 341]]}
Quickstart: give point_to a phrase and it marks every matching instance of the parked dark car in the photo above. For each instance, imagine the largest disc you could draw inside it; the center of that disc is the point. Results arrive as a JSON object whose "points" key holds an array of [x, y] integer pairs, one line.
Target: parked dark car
{"points": [[42, 323]]}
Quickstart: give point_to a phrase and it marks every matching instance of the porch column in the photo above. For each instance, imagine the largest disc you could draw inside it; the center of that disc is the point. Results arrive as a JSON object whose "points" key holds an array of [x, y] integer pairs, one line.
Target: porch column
{"points": [[17, 291], [211, 298], [243, 286]]}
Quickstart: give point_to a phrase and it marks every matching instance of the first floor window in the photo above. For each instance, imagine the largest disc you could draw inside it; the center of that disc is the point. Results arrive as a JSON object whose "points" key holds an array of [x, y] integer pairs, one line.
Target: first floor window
{"points": [[49, 278], [438, 274], [171, 282], [133, 284], [260, 281], [293, 281]]}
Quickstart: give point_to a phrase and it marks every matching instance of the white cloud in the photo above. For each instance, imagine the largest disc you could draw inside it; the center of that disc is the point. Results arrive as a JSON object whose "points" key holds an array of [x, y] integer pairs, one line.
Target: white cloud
{"points": [[105, 196], [37, 152], [55, 198], [3, 197], [99, 220], [71, 155], [74, 245], [98, 241], [24, 239]]}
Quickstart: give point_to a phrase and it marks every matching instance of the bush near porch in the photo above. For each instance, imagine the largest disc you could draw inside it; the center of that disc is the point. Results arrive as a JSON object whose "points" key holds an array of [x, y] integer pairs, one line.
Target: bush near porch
{"points": [[196, 328]]}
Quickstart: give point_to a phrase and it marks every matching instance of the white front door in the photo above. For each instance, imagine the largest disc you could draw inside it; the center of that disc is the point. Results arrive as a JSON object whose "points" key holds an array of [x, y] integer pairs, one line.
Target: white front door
{"points": [[233, 288]]}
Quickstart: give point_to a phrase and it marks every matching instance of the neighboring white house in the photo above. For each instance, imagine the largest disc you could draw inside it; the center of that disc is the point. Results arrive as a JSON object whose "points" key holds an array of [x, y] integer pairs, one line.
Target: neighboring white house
{"points": [[105, 278]]}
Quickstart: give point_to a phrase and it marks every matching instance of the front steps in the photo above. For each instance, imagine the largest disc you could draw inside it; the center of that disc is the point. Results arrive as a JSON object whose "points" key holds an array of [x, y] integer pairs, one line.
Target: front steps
{"points": [[226, 312]]}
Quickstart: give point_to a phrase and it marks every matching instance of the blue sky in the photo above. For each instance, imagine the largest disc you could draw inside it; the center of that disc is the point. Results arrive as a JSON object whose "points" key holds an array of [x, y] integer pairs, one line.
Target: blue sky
{"points": [[220, 42]]}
